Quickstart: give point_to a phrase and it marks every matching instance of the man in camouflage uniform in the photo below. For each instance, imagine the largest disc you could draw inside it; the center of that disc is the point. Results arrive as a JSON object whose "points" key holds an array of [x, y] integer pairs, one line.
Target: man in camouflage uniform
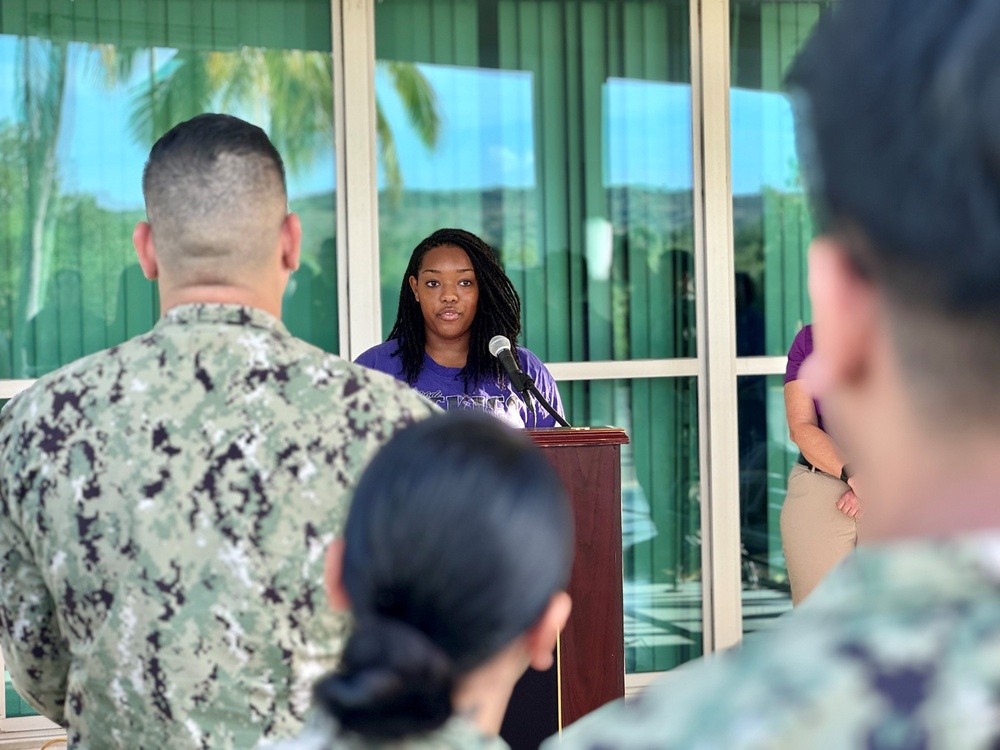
{"points": [[166, 503], [900, 646]]}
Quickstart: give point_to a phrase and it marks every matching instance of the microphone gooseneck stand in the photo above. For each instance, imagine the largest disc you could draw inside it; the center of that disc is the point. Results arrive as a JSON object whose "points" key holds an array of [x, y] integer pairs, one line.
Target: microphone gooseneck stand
{"points": [[528, 389], [500, 348]]}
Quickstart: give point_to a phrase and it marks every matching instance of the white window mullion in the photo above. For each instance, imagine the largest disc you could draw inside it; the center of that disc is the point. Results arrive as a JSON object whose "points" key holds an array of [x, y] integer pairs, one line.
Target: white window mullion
{"points": [[761, 365], [714, 267], [357, 175]]}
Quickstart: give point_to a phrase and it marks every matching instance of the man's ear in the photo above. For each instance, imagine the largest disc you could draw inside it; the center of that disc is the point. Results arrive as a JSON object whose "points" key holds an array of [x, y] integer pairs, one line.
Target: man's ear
{"points": [[844, 318], [291, 242], [541, 639], [333, 577], [142, 239]]}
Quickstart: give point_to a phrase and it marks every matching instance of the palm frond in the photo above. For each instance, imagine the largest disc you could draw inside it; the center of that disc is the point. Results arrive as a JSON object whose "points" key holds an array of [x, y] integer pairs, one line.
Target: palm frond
{"points": [[301, 109], [387, 153], [174, 92], [419, 100], [110, 65], [42, 67]]}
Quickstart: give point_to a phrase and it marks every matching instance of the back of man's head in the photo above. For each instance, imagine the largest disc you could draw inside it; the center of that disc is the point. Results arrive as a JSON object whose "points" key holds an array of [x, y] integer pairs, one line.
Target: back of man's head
{"points": [[899, 112], [215, 198]]}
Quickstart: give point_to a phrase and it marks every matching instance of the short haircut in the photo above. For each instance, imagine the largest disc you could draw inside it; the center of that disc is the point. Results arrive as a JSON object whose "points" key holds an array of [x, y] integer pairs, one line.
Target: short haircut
{"points": [[898, 106], [498, 312], [458, 536], [215, 197]]}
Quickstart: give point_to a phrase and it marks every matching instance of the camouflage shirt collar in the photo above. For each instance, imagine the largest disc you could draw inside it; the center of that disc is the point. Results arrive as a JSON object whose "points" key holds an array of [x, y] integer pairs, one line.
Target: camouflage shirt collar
{"points": [[914, 572], [458, 733], [221, 314]]}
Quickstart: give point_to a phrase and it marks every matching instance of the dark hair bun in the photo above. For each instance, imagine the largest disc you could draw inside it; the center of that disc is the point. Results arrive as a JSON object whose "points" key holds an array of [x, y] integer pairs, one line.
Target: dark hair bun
{"points": [[392, 682]]}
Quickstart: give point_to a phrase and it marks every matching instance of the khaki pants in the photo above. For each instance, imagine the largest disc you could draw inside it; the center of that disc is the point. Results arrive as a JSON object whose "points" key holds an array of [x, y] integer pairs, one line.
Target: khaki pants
{"points": [[814, 534]]}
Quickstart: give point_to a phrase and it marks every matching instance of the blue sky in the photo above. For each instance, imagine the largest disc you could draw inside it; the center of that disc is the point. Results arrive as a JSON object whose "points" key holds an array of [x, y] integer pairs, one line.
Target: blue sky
{"points": [[488, 133], [487, 138]]}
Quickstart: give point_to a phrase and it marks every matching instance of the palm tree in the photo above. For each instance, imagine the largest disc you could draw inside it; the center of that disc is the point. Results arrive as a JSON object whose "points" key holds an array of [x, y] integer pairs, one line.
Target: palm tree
{"points": [[421, 107], [288, 92], [42, 67]]}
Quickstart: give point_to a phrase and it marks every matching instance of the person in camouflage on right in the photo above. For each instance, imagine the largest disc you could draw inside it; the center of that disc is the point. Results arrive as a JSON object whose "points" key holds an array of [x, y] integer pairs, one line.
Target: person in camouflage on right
{"points": [[898, 106], [165, 504]]}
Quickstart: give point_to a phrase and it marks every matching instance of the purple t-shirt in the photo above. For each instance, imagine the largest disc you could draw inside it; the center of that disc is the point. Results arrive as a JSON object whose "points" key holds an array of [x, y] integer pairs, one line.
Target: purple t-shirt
{"points": [[444, 386], [802, 347]]}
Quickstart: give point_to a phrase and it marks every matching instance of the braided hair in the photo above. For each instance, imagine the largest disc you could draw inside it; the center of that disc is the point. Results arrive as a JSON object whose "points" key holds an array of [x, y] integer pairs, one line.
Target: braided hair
{"points": [[498, 311]]}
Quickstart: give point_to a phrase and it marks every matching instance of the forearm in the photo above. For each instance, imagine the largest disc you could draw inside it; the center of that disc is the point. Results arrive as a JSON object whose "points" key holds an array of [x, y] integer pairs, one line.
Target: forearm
{"points": [[818, 448], [38, 668], [35, 652]]}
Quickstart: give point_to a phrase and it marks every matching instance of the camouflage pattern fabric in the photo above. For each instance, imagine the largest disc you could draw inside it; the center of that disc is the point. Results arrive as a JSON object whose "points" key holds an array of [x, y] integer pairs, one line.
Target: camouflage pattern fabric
{"points": [[899, 648], [165, 509], [323, 733]]}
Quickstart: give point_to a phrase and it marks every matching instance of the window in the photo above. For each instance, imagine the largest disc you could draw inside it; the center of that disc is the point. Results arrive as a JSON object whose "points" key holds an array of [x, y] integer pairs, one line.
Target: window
{"points": [[772, 229], [560, 132], [84, 92], [772, 222]]}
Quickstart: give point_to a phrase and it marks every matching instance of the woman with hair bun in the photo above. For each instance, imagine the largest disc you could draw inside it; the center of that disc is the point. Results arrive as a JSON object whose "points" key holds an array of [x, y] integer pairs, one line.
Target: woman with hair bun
{"points": [[454, 562], [455, 297]]}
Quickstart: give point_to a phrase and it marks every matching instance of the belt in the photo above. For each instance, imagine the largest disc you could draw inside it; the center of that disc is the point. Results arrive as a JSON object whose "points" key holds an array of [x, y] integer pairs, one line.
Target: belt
{"points": [[804, 461]]}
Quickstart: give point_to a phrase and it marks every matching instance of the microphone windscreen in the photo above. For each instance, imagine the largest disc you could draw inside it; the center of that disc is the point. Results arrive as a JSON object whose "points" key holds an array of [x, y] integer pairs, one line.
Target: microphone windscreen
{"points": [[498, 344]]}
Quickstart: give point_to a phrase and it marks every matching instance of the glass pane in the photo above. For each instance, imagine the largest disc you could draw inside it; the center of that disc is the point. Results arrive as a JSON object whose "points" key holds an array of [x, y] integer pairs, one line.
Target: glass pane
{"points": [[772, 223], [16, 705], [84, 92], [560, 132], [767, 454], [661, 511]]}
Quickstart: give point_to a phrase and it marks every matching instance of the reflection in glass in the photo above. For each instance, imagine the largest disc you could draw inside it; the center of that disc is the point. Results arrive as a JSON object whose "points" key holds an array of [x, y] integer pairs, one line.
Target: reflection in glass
{"points": [[560, 132], [661, 511], [84, 93], [766, 456], [576, 167], [772, 222]]}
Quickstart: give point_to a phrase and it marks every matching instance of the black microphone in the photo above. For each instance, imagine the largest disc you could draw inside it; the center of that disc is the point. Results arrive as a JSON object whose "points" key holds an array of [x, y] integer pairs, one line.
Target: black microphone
{"points": [[523, 383], [501, 349]]}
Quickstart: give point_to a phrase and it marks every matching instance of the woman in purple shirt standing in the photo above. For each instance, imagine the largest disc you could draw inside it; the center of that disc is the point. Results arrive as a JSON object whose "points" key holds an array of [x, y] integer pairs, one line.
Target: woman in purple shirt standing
{"points": [[454, 298], [819, 523]]}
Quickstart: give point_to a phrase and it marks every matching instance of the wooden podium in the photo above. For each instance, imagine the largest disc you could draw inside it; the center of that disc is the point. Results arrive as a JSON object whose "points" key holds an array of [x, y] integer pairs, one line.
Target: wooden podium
{"points": [[590, 661]]}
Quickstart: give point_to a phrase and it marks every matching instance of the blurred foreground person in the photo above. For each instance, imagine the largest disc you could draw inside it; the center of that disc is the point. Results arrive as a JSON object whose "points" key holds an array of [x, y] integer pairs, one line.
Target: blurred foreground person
{"points": [[165, 504], [899, 647], [454, 563]]}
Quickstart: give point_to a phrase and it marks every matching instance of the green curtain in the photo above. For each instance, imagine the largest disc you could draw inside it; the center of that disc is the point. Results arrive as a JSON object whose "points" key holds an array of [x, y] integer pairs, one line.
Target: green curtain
{"points": [[788, 225]]}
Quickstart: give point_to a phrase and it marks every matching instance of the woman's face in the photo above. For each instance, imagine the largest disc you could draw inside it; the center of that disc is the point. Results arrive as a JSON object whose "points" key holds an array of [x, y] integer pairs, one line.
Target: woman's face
{"points": [[448, 293]]}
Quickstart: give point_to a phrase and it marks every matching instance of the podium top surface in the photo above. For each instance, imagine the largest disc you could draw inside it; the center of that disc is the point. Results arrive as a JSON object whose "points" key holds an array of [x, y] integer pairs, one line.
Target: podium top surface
{"points": [[578, 436]]}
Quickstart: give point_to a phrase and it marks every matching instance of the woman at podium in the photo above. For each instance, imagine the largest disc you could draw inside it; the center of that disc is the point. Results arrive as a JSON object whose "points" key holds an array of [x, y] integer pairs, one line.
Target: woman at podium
{"points": [[451, 605], [454, 299]]}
